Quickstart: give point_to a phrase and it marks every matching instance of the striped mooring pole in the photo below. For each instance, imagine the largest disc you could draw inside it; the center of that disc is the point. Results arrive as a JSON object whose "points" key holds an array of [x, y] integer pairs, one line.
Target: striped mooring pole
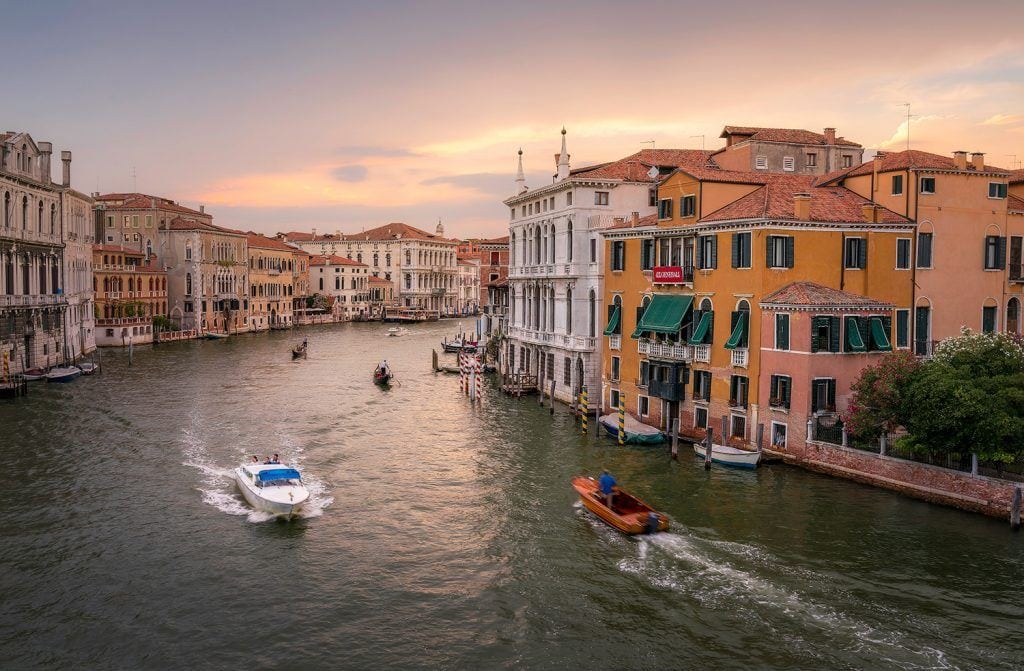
{"points": [[462, 372], [622, 418], [479, 381], [584, 409]]}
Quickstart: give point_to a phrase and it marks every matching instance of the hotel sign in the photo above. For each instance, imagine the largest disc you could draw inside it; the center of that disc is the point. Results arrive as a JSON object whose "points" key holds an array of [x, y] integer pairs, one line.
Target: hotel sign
{"points": [[668, 274]]}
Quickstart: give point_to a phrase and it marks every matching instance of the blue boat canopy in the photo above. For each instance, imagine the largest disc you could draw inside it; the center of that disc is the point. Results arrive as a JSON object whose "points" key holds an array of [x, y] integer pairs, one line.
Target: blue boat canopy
{"points": [[278, 474]]}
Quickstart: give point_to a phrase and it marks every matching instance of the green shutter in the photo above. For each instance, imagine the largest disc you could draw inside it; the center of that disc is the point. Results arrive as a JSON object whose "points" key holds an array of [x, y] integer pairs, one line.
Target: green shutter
{"points": [[902, 328], [862, 253], [1001, 252], [768, 251], [739, 330], [703, 327], [789, 251], [714, 251], [832, 393], [782, 331], [854, 343], [833, 331], [879, 335], [735, 250], [613, 321], [789, 391]]}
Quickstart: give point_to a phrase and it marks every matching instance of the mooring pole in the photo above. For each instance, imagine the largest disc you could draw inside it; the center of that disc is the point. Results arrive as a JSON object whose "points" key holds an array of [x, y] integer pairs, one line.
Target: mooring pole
{"points": [[760, 438], [583, 401], [552, 397], [433, 359], [725, 430], [622, 418], [707, 448], [1015, 509], [675, 438]]}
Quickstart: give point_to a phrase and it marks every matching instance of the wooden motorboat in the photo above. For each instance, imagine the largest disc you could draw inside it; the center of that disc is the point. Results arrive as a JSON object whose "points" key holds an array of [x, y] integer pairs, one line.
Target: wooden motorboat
{"points": [[637, 433], [397, 331], [63, 374], [34, 374], [628, 514], [459, 345], [728, 456]]}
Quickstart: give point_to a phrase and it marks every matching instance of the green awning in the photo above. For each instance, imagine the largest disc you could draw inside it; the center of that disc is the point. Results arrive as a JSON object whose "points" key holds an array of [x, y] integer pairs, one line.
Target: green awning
{"points": [[701, 331], [738, 332], [664, 314], [853, 340], [613, 323], [879, 336]]}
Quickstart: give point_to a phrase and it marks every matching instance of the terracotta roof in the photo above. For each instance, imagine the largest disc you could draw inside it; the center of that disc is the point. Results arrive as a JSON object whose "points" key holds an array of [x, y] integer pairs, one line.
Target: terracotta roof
{"points": [[788, 135], [774, 200], [634, 167], [334, 261], [1017, 176], [181, 224], [395, 231], [1014, 203], [812, 294], [649, 220], [496, 241], [500, 282], [142, 201], [117, 249], [380, 280], [913, 159], [712, 173], [263, 242]]}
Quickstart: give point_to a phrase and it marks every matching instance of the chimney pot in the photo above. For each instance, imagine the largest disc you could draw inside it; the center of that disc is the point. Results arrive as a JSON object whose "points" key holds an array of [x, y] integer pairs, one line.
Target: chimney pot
{"points": [[868, 211], [65, 157], [978, 160], [960, 160], [830, 136], [636, 218]]}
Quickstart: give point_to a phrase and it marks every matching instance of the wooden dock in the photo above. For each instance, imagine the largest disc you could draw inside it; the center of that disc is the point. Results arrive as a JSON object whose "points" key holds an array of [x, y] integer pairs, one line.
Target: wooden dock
{"points": [[517, 384]]}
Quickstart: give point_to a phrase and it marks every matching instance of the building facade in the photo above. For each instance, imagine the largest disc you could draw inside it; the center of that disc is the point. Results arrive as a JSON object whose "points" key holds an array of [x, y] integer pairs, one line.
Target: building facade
{"points": [[382, 296], [468, 284], [786, 150], [32, 300], [272, 272], [346, 285], [79, 238], [130, 290], [137, 220]]}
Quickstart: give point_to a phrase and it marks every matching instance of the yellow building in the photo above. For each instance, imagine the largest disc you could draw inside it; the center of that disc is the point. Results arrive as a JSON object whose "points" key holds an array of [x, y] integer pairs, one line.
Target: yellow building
{"points": [[272, 265], [683, 289]]}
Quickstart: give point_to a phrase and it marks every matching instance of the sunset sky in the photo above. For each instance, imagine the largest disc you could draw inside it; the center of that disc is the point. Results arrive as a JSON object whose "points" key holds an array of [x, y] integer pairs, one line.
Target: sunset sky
{"points": [[284, 116]]}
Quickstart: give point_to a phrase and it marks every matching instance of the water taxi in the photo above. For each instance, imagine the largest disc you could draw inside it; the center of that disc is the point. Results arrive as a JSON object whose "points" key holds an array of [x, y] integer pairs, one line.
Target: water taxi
{"points": [[272, 488], [628, 514]]}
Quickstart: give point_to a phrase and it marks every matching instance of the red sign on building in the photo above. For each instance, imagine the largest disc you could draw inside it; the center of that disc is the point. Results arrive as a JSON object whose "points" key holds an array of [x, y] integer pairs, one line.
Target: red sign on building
{"points": [[668, 274]]}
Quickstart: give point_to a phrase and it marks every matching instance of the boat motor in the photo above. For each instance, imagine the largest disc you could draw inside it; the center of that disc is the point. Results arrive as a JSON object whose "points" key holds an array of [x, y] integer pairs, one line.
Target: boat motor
{"points": [[652, 523]]}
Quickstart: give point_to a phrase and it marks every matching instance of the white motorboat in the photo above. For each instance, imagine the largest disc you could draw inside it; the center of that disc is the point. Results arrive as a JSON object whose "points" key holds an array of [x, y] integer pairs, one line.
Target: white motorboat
{"points": [[272, 488], [63, 374], [215, 335], [88, 368], [729, 456], [396, 331]]}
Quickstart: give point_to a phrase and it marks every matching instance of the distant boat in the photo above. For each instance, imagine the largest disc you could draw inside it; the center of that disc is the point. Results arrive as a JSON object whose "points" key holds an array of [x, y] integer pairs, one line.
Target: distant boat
{"points": [[628, 514], [396, 331], [382, 376], [299, 351], [273, 488], [729, 456], [88, 367], [637, 433], [214, 335], [34, 374], [459, 345], [63, 374]]}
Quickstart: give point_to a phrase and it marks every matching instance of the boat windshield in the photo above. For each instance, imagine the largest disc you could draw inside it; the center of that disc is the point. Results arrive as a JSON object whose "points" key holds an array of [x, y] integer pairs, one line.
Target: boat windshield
{"points": [[272, 477]]}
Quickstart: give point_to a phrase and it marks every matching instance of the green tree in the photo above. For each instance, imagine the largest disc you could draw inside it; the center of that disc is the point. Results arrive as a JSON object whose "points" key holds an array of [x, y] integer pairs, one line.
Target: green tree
{"points": [[878, 403]]}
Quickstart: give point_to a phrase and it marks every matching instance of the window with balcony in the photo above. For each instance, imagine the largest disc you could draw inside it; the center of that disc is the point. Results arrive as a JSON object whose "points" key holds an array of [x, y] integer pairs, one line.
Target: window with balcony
{"points": [[856, 254], [995, 252], [741, 250], [779, 251], [781, 390]]}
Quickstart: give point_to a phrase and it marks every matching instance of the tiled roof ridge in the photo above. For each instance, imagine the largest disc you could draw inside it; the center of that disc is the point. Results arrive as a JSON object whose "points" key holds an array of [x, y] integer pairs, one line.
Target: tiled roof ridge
{"points": [[808, 293]]}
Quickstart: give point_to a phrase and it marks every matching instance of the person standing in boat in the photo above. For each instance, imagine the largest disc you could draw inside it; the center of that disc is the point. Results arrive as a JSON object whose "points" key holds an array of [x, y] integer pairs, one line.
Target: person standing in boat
{"points": [[607, 485]]}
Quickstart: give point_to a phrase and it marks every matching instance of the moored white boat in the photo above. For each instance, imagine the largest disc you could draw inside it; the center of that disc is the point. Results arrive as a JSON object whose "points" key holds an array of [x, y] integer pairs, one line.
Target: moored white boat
{"points": [[215, 335], [88, 367], [729, 456], [34, 374], [63, 374], [396, 331], [272, 488]]}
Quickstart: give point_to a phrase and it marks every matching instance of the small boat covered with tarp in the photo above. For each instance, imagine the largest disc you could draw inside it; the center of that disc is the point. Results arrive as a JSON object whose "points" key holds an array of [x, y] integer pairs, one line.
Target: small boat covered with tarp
{"points": [[637, 433]]}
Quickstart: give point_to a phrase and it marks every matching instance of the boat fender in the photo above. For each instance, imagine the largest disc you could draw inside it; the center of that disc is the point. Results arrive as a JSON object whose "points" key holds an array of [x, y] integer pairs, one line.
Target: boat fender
{"points": [[652, 523]]}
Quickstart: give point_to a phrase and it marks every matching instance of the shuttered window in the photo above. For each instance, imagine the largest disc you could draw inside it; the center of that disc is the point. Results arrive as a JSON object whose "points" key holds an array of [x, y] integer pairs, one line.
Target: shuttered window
{"points": [[823, 395], [708, 252], [856, 256], [779, 251], [825, 334], [995, 252], [781, 391], [924, 250], [741, 250], [903, 328], [782, 331]]}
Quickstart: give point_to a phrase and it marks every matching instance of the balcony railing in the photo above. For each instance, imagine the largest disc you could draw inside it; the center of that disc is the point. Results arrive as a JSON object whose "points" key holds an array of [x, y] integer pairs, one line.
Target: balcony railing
{"points": [[740, 357], [665, 350], [670, 391], [615, 342], [12, 300], [702, 353]]}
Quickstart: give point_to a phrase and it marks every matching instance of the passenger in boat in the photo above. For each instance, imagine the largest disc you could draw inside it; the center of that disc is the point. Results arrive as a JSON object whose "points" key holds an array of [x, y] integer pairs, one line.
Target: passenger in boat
{"points": [[607, 485], [255, 459], [273, 460]]}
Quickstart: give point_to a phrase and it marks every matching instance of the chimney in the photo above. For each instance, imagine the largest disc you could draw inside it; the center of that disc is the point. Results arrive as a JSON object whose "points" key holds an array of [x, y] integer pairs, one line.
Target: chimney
{"points": [[202, 209], [314, 233], [802, 206], [870, 212], [45, 150], [830, 136], [960, 160], [152, 203], [65, 158], [636, 219], [978, 160]]}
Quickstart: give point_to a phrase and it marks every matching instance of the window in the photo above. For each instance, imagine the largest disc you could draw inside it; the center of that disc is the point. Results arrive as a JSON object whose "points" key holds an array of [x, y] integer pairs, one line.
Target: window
{"points": [[995, 252], [647, 254], [600, 198], [779, 253], [568, 198], [665, 208], [738, 426], [702, 385], [652, 196], [778, 434], [788, 163], [812, 160], [700, 418], [708, 252], [927, 185], [897, 185], [618, 260], [135, 221], [823, 395], [924, 250], [856, 254], [781, 391], [110, 221], [614, 397], [782, 331], [568, 311], [645, 373], [761, 162], [615, 369], [902, 253], [643, 405], [738, 385], [996, 190], [847, 160], [1016, 257], [188, 284], [988, 319], [741, 250], [687, 206], [825, 334], [567, 372], [593, 250]]}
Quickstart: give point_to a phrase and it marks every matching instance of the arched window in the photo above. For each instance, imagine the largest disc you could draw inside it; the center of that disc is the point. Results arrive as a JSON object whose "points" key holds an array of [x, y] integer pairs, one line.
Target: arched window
{"points": [[1013, 315], [39, 217], [592, 313], [551, 309], [24, 212], [188, 252], [149, 248], [568, 243], [512, 250], [53, 219], [705, 305], [568, 311], [387, 259], [408, 276], [376, 260], [551, 243], [188, 282], [7, 209]]}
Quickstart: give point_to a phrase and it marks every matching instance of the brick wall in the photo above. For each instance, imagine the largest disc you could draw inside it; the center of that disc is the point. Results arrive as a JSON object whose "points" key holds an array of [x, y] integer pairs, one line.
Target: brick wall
{"points": [[923, 481]]}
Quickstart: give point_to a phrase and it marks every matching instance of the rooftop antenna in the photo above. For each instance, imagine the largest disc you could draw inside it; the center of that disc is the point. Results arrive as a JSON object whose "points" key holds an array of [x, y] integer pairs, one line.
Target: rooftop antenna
{"points": [[1013, 161], [135, 185], [909, 117], [701, 141], [650, 142]]}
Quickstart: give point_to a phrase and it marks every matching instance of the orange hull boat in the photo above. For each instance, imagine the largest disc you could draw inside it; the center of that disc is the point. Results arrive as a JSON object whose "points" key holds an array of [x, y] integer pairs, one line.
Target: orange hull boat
{"points": [[628, 514]]}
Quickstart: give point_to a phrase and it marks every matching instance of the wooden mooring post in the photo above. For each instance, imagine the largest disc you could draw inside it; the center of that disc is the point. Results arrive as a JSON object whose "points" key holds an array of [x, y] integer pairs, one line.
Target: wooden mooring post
{"points": [[551, 398], [760, 438], [586, 412], [708, 442], [433, 360], [675, 438], [1015, 509]]}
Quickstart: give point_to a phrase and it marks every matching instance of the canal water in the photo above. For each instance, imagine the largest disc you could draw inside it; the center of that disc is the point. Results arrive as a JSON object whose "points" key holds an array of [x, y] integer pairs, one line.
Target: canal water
{"points": [[447, 536]]}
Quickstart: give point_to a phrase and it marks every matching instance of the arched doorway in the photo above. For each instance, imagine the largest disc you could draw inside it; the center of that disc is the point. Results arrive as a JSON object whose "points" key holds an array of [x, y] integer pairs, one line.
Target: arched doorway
{"points": [[1013, 316]]}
